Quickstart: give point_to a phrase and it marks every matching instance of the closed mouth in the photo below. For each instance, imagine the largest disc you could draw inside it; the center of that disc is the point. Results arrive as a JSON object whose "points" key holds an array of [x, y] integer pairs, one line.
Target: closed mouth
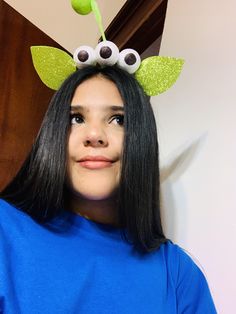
{"points": [[95, 158], [95, 164]]}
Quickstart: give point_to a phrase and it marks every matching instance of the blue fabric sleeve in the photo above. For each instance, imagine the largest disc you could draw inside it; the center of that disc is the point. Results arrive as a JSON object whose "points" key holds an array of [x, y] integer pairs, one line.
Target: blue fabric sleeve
{"points": [[193, 293]]}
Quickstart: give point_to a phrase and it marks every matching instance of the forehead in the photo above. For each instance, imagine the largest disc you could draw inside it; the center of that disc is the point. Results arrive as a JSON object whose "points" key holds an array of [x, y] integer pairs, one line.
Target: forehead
{"points": [[97, 92]]}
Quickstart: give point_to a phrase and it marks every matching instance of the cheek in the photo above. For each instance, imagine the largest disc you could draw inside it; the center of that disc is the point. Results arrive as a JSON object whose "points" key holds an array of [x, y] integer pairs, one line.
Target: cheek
{"points": [[117, 141], [73, 145]]}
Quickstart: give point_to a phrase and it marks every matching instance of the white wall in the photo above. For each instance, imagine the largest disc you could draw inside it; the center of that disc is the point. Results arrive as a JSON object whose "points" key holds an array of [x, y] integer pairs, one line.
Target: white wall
{"points": [[59, 21], [197, 132]]}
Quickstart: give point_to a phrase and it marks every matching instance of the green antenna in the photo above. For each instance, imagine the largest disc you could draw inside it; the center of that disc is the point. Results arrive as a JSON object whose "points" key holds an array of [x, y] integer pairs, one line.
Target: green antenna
{"points": [[98, 18], [84, 7]]}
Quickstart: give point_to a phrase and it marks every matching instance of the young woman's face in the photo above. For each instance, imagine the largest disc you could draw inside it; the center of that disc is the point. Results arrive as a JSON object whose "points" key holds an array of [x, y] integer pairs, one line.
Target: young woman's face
{"points": [[95, 140]]}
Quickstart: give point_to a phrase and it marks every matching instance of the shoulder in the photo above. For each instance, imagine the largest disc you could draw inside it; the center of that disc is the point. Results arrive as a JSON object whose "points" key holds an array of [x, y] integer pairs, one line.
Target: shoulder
{"points": [[9, 213], [192, 290], [180, 261], [13, 219], [16, 224], [177, 259], [181, 264]]}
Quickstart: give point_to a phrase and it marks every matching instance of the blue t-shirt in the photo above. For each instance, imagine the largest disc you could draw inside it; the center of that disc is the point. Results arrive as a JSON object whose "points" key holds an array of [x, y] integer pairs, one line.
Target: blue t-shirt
{"points": [[77, 266]]}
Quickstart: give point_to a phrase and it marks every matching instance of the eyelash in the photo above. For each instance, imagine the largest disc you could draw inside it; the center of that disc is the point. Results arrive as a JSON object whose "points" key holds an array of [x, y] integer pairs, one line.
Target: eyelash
{"points": [[76, 115], [119, 116]]}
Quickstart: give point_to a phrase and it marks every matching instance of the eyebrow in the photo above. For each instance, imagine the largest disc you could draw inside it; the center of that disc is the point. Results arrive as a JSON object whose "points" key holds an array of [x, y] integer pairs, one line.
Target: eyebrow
{"points": [[106, 108]]}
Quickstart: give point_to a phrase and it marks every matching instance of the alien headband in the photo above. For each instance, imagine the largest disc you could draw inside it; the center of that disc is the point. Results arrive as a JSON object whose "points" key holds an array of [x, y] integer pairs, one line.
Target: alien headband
{"points": [[155, 74]]}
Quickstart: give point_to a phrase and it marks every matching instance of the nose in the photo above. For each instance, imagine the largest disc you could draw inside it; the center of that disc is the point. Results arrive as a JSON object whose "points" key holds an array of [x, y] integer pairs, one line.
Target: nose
{"points": [[95, 137]]}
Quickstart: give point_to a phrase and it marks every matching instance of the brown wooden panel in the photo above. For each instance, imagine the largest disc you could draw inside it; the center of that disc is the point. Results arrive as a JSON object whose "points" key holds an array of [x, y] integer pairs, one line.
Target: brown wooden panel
{"points": [[23, 97], [138, 24]]}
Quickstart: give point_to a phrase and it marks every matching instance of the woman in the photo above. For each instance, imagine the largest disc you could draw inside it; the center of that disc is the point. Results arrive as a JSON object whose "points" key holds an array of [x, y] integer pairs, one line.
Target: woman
{"points": [[80, 223]]}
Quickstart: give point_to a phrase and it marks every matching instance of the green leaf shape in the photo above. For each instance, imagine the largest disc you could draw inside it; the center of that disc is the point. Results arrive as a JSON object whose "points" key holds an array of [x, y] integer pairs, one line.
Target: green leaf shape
{"points": [[52, 65], [157, 74]]}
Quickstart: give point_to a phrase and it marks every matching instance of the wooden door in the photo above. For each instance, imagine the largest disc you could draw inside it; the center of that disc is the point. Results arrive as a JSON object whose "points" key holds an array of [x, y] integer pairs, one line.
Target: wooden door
{"points": [[23, 97]]}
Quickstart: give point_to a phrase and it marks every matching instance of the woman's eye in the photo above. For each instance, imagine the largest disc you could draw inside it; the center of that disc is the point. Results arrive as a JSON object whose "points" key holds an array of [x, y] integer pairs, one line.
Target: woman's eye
{"points": [[119, 119], [76, 119]]}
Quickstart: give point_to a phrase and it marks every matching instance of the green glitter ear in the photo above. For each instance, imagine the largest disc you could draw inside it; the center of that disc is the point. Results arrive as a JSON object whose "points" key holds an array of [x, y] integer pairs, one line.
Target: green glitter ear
{"points": [[157, 74], [52, 65]]}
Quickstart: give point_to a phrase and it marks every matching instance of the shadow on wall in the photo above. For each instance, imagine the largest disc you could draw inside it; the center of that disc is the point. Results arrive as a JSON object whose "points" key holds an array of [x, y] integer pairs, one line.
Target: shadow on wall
{"points": [[175, 166]]}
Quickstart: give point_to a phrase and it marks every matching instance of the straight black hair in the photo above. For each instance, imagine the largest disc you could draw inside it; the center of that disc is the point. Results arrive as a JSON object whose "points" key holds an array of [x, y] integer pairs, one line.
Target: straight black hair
{"points": [[39, 187]]}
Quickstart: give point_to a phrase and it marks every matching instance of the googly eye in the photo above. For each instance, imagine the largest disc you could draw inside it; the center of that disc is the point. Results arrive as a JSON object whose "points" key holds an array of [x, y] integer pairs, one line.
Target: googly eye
{"points": [[84, 55], [107, 53], [129, 60]]}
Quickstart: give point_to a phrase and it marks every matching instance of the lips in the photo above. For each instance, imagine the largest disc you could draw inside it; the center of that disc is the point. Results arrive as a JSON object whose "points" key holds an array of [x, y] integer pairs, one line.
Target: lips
{"points": [[95, 162]]}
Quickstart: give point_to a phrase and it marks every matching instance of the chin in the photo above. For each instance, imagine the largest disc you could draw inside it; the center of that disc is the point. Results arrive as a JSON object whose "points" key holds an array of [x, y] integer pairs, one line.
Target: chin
{"points": [[95, 194], [94, 187], [95, 197]]}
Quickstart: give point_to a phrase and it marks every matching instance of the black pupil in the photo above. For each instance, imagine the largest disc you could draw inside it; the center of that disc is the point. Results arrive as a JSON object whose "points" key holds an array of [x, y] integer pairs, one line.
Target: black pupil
{"points": [[105, 52], [120, 120], [83, 56], [130, 59]]}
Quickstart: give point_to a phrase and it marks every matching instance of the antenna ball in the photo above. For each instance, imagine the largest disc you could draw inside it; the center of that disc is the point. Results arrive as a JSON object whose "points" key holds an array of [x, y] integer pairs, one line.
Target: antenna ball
{"points": [[82, 7]]}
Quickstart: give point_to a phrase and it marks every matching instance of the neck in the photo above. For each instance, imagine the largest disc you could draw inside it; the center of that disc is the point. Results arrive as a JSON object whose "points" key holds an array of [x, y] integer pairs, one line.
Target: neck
{"points": [[101, 211]]}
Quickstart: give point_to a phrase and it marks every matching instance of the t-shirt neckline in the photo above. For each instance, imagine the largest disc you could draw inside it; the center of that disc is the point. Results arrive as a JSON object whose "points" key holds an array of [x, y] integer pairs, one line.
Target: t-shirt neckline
{"points": [[84, 224]]}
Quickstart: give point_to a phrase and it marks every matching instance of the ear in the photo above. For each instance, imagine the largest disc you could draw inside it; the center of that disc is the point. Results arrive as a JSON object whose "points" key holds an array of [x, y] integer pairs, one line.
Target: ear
{"points": [[157, 74], [52, 65]]}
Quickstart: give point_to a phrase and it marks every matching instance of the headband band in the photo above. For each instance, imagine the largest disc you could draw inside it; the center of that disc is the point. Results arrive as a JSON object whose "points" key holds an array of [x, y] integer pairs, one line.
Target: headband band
{"points": [[155, 74]]}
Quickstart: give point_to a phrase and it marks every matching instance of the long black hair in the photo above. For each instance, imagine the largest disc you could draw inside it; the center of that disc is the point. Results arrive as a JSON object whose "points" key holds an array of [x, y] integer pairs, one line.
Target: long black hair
{"points": [[39, 187]]}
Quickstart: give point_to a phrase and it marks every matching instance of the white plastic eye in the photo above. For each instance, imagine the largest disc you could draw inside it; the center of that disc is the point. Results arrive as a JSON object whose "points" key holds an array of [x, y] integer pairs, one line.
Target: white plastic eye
{"points": [[84, 55], [107, 53], [129, 60]]}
